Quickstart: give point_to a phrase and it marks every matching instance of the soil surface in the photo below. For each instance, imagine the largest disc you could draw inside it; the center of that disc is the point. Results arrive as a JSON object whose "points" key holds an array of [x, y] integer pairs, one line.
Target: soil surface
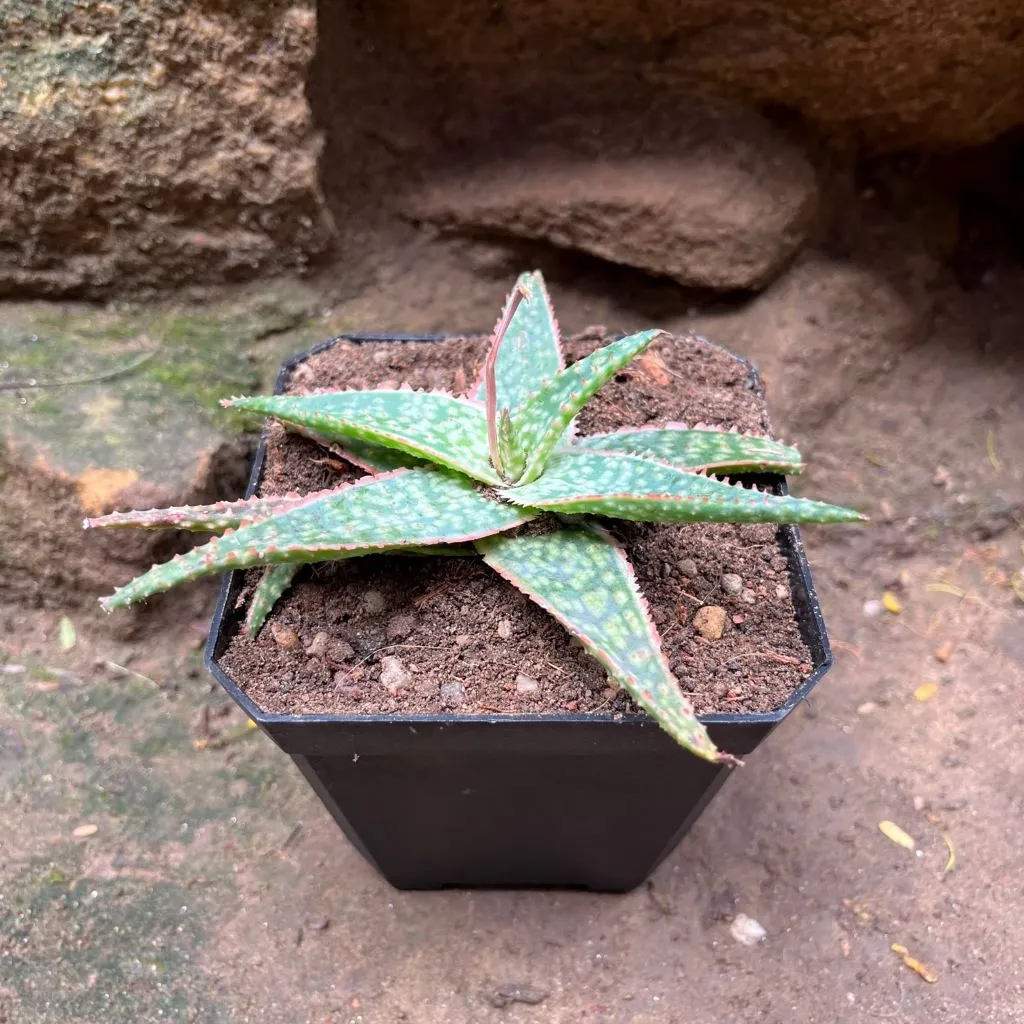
{"points": [[381, 635]]}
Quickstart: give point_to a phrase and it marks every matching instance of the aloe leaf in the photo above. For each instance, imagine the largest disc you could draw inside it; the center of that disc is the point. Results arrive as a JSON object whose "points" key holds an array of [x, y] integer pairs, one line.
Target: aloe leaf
{"points": [[631, 487], [716, 451], [408, 508], [431, 425], [583, 578], [275, 581], [541, 419], [531, 351], [215, 518]]}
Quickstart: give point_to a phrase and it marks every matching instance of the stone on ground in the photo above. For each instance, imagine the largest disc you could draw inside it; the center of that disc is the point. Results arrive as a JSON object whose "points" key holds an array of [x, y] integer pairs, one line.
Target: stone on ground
{"points": [[726, 208]]}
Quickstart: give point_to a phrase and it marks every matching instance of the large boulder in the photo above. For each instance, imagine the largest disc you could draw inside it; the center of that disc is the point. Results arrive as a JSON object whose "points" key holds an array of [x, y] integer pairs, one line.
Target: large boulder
{"points": [[726, 208], [154, 145]]}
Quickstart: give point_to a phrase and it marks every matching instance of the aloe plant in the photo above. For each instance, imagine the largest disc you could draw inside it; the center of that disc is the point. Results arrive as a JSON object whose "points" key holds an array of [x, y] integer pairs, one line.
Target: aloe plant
{"points": [[462, 475]]}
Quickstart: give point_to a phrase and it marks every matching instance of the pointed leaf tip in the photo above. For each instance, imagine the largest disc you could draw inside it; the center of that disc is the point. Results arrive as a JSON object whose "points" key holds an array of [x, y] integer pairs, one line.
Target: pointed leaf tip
{"points": [[583, 578], [644, 490], [546, 414], [531, 352]]}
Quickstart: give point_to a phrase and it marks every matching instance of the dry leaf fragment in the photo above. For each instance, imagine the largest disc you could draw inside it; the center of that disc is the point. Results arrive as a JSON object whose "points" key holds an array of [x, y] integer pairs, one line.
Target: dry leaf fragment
{"points": [[946, 588], [951, 859], [893, 832], [914, 964], [926, 691]]}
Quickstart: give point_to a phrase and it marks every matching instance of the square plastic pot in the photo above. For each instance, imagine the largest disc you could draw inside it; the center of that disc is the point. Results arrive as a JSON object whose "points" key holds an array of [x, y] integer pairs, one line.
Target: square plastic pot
{"points": [[567, 800]]}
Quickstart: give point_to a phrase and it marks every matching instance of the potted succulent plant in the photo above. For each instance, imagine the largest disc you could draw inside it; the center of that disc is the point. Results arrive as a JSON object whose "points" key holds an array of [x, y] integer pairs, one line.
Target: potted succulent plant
{"points": [[464, 793]]}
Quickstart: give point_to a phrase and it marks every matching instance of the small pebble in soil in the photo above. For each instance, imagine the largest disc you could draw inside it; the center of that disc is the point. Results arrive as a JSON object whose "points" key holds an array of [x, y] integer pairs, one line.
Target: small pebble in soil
{"points": [[867, 708], [516, 992], [709, 621], [504, 629], [609, 693], [747, 596], [394, 676], [400, 626], [688, 567], [732, 584], [318, 646], [463, 640], [781, 590], [452, 694], [919, 803], [746, 931], [284, 636], [374, 602], [872, 609], [344, 686], [526, 684], [318, 924]]}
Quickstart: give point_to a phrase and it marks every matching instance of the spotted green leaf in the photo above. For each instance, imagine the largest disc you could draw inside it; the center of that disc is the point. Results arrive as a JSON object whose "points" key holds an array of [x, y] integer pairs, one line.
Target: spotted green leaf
{"points": [[631, 487], [583, 578], [275, 581], [717, 451], [407, 508], [431, 425], [531, 351], [541, 419], [222, 515]]}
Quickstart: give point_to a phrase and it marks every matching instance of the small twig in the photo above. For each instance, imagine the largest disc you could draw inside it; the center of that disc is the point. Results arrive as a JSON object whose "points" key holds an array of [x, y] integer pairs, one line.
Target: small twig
{"points": [[36, 385]]}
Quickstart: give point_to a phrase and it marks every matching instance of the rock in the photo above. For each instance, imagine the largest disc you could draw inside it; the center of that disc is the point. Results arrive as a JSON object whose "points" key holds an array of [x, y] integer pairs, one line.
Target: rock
{"points": [[202, 156], [732, 584], [394, 676], [873, 608], [517, 992], [400, 626], [504, 629], [726, 208], [816, 335], [463, 640], [781, 591], [747, 596], [340, 651], [318, 646], [373, 602], [869, 707], [345, 687], [688, 567], [710, 621], [746, 931], [284, 636], [526, 684], [452, 694]]}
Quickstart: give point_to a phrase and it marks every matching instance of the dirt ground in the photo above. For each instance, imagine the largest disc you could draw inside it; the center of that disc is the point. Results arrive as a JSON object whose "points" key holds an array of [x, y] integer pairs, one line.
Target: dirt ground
{"points": [[161, 861]]}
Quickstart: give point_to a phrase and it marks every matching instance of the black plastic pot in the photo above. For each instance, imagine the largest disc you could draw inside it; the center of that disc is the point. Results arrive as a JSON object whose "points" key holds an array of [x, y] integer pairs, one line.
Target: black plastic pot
{"points": [[569, 800]]}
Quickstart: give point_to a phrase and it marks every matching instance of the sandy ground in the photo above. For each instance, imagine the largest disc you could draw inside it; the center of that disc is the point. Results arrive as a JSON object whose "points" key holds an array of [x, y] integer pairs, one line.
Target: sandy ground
{"points": [[160, 861]]}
